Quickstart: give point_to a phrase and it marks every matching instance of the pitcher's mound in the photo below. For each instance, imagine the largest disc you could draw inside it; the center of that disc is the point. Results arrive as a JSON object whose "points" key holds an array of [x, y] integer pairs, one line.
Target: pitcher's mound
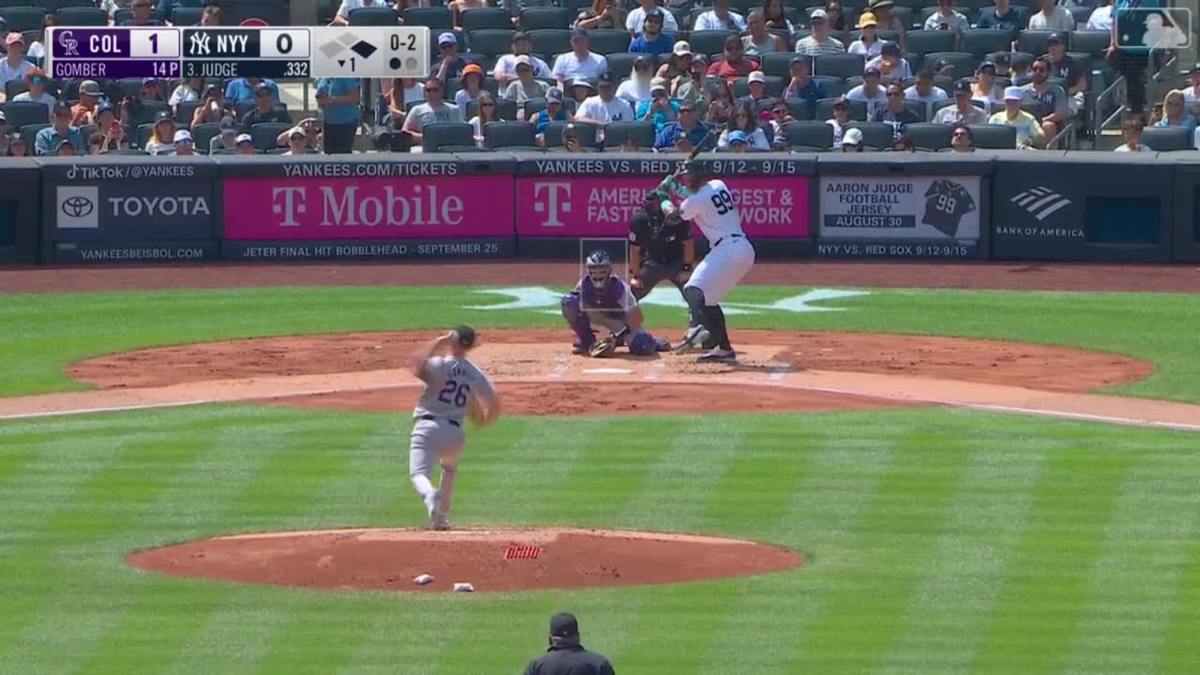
{"points": [[490, 560]]}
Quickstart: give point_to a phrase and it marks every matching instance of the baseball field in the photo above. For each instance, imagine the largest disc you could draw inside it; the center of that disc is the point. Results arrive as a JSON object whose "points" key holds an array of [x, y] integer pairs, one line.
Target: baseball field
{"points": [[914, 469]]}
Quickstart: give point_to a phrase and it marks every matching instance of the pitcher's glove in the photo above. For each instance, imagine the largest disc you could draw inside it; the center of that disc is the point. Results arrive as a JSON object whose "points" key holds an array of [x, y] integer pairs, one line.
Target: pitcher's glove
{"points": [[603, 347]]}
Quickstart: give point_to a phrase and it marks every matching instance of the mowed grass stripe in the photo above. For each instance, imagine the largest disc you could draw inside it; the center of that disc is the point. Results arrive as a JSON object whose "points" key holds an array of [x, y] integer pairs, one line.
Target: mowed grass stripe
{"points": [[862, 614], [322, 632], [1133, 582], [947, 610], [1181, 640], [1035, 619]]}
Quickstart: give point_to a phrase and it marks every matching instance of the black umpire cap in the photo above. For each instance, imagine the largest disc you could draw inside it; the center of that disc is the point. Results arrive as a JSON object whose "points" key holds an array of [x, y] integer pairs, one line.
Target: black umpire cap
{"points": [[564, 625], [466, 336]]}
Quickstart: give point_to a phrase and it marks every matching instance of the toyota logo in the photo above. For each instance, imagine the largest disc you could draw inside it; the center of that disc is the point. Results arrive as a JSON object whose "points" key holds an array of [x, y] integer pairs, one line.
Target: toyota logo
{"points": [[77, 207]]}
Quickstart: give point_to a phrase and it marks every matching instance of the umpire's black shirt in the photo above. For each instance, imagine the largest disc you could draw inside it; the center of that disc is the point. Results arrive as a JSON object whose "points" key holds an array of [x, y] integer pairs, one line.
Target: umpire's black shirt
{"points": [[659, 241], [569, 659]]}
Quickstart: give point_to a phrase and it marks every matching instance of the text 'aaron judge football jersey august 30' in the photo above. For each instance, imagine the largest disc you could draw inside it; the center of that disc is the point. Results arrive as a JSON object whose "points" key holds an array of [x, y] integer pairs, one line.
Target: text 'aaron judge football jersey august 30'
{"points": [[449, 385], [711, 209], [946, 202]]}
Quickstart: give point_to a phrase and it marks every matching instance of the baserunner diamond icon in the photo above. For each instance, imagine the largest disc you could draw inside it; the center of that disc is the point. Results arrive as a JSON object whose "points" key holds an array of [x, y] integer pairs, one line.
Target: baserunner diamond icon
{"points": [[364, 49]]}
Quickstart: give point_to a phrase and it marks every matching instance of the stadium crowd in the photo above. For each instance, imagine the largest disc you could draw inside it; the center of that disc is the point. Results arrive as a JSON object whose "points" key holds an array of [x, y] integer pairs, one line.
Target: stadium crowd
{"points": [[809, 75]]}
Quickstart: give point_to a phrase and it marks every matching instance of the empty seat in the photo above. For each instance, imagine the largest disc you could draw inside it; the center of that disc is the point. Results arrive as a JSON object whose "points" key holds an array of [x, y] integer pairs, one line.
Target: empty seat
{"points": [[203, 135], [608, 40], [875, 134], [964, 63], [1167, 139], [550, 41], [931, 137], [615, 134], [82, 16], [980, 42], [22, 18], [925, 41], [509, 135], [554, 131], [486, 17], [778, 64], [373, 16], [1092, 42], [620, 64], [1033, 41], [708, 42], [994, 136], [534, 18], [437, 135], [265, 134], [817, 136], [186, 16], [22, 113], [491, 41], [436, 18], [838, 65]]}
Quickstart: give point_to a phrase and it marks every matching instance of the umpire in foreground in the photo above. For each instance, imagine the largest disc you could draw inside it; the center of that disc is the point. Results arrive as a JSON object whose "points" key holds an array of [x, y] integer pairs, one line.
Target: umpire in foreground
{"points": [[659, 249], [566, 656]]}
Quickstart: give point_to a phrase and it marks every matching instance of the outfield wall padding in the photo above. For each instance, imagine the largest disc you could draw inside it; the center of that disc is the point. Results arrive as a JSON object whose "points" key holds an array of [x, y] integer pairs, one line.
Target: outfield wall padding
{"points": [[20, 210]]}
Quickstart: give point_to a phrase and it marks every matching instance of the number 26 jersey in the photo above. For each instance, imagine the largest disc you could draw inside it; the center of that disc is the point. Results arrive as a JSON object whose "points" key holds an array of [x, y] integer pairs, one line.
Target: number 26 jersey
{"points": [[712, 209], [449, 385]]}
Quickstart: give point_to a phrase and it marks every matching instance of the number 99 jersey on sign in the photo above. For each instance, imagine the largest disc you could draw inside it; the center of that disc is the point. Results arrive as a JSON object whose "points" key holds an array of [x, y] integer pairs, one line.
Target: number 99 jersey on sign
{"points": [[450, 384]]}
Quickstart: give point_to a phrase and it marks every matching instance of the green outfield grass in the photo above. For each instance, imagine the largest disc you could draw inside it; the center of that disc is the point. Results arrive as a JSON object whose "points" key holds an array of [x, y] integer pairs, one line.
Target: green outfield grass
{"points": [[940, 542], [42, 333]]}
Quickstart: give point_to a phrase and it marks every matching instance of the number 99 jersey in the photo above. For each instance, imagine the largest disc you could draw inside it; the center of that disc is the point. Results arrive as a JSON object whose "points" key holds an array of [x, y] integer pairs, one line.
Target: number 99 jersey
{"points": [[711, 209], [450, 384]]}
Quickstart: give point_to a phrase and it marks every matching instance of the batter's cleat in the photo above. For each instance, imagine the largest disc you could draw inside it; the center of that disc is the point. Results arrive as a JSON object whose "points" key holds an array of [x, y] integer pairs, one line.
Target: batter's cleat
{"points": [[431, 503], [718, 355], [579, 350], [693, 338], [439, 522]]}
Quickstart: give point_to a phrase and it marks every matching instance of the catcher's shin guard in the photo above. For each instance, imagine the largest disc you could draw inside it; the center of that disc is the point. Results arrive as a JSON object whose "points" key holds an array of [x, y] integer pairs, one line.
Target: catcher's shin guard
{"points": [[578, 320]]}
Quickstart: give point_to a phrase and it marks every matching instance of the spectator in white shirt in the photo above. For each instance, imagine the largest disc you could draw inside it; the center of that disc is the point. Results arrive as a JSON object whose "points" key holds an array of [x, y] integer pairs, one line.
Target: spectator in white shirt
{"points": [[604, 107], [342, 18], [1102, 17], [38, 82], [947, 18], [925, 92], [506, 66], [1131, 130], [819, 42], [964, 111], [580, 62], [635, 18], [720, 18], [14, 66], [1191, 94], [841, 118], [869, 92], [869, 45], [890, 64], [1051, 17], [637, 88]]}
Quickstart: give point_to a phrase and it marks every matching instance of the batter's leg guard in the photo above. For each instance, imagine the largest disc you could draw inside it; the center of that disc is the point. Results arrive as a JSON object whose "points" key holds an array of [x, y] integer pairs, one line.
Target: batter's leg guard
{"points": [[642, 344], [695, 318], [578, 320]]}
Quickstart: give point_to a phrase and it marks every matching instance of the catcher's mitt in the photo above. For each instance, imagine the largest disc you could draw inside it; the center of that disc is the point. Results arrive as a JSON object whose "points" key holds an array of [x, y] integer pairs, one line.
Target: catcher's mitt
{"points": [[603, 347]]}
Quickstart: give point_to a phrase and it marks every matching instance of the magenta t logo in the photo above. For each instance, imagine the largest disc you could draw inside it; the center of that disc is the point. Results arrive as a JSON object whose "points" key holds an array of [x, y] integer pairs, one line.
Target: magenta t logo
{"points": [[555, 203]]}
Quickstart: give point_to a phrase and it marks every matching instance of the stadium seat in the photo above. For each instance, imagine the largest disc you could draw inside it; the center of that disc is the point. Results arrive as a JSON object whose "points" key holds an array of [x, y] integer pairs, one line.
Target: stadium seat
{"points": [[12, 88], [926, 41], [82, 16], [373, 16], [550, 41], [620, 64], [535, 18], [1082, 13], [615, 134], [55, 5], [146, 111], [29, 133], [491, 41], [531, 106], [142, 134], [486, 17], [930, 137], [815, 136], [497, 135], [981, 42], [186, 16], [964, 64], [440, 134], [831, 86], [436, 18], [708, 42], [824, 111], [1167, 139], [185, 110], [1092, 42], [21, 113], [22, 18], [506, 109], [554, 131], [608, 40], [203, 135], [885, 35], [122, 15], [875, 134], [839, 65], [994, 136], [918, 108], [265, 134], [1033, 41], [741, 86], [779, 64], [453, 84]]}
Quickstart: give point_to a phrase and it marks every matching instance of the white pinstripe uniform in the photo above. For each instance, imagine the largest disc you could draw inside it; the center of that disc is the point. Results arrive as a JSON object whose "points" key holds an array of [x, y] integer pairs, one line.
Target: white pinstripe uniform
{"points": [[731, 255]]}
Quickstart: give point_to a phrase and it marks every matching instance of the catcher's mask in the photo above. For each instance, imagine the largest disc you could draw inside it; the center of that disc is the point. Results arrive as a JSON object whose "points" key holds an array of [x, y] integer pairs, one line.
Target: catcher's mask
{"points": [[599, 268]]}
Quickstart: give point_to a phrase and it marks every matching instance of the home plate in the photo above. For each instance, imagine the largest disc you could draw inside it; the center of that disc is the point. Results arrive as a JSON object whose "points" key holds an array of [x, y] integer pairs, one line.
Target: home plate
{"points": [[607, 371]]}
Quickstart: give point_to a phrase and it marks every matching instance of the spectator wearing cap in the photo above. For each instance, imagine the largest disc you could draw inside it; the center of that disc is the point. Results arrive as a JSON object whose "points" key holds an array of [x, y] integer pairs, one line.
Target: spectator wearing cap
{"points": [[264, 110], [895, 114], [882, 9], [869, 92], [37, 82], [759, 41], [1131, 131], [1101, 18], [1029, 131], [947, 18], [744, 121], [780, 116], [457, 7], [448, 63], [311, 127], [890, 63], [580, 62], [342, 17], [297, 141], [604, 14], [471, 86], [964, 111], [985, 90], [83, 113], [680, 61], [212, 108], [143, 14], [152, 90], [1065, 68], [636, 88], [525, 87], [162, 134], [1174, 113], [841, 117], [869, 44], [434, 109], [735, 141], [852, 141], [14, 66], [184, 144], [245, 144], [659, 109], [1004, 16], [757, 96], [47, 140], [227, 139], [580, 90], [685, 134], [962, 139], [16, 146], [720, 17], [605, 106], [109, 129], [819, 42], [1051, 16], [243, 89], [339, 98], [802, 85], [652, 40], [693, 85], [1191, 93], [1048, 99], [506, 66], [66, 149], [635, 19], [554, 111], [735, 64], [924, 91]]}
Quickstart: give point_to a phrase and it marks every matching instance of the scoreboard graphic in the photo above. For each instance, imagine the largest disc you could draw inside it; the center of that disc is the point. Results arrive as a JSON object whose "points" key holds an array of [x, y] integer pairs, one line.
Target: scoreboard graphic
{"points": [[267, 52]]}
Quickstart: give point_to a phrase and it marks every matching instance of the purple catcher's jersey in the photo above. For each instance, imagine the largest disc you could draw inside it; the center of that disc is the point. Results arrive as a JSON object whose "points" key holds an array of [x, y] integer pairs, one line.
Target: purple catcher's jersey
{"points": [[614, 297]]}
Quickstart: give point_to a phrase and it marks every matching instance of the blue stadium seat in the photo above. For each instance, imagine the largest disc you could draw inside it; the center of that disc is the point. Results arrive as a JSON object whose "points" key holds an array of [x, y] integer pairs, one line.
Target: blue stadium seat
{"points": [[875, 134], [1167, 139], [186, 16], [486, 17], [373, 16], [266, 133], [839, 65], [708, 42], [21, 113], [615, 134], [608, 40], [930, 137], [550, 41], [23, 18], [438, 135], [812, 136], [498, 135], [491, 41], [82, 16], [436, 18], [535, 18]]}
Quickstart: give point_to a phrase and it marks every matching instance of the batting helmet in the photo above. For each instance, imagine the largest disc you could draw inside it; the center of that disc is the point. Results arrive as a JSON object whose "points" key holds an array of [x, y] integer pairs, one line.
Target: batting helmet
{"points": [[599, 267]]}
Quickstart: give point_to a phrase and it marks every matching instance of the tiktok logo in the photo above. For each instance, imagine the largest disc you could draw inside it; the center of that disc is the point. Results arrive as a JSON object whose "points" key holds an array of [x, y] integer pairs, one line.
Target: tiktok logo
{"points": [[552, 200], [288, 202]]}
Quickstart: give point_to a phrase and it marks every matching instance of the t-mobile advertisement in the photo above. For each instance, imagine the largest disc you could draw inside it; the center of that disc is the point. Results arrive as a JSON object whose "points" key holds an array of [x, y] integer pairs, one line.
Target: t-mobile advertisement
{"points": [[322, 217], [771, 207]]}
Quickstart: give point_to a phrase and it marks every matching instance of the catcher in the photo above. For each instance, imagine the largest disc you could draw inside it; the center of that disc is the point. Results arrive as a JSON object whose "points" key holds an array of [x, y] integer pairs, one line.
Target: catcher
{"points": [[604, 299]]}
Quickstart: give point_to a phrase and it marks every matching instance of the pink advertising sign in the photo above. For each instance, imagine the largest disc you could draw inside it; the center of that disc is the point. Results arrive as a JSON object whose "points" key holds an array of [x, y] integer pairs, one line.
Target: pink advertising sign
{"points": [[587, 206], [277, 208]]}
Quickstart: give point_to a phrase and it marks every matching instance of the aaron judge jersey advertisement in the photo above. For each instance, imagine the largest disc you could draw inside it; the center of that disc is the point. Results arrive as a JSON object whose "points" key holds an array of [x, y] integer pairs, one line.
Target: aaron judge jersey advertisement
{"points": [[946, 202]]}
